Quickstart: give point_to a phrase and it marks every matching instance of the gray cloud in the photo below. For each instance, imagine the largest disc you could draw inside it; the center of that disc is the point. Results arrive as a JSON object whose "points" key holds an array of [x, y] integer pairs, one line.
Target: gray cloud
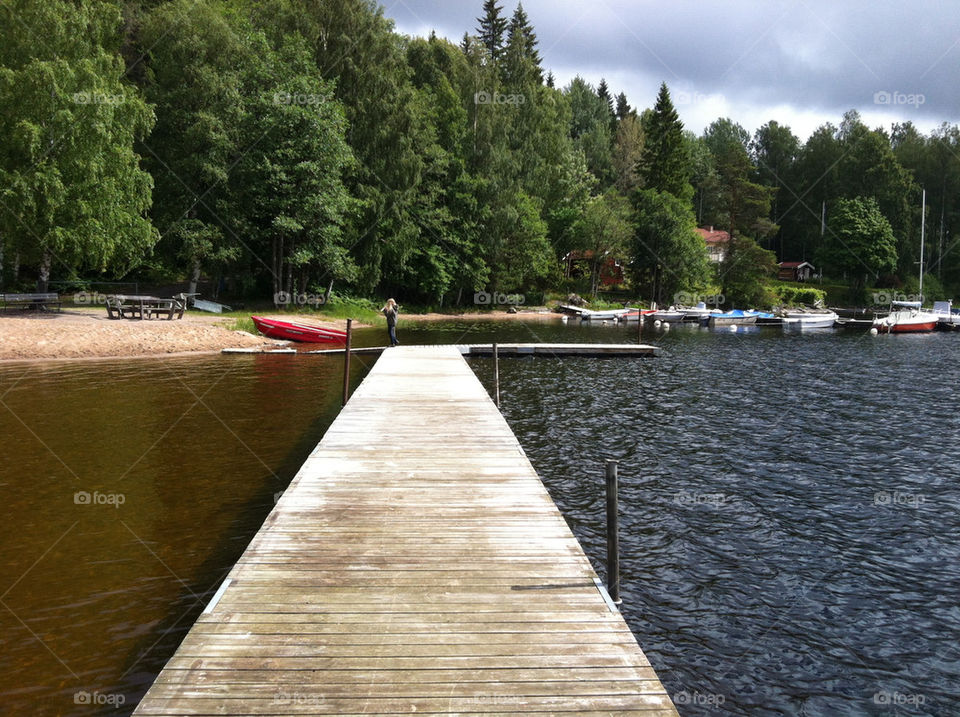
{"points": [[801, 62]]}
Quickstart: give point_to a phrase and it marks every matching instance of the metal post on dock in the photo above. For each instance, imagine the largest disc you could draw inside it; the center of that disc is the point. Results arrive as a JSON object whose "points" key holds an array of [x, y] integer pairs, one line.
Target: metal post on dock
{"points": [[346, 365], [496, 375], [639, 324], [613, 539]]}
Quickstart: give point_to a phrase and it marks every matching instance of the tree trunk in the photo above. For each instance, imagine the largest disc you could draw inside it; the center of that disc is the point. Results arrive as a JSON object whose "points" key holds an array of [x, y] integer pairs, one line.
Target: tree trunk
{"points": [[15, 272], [1, 263], [43, 278], [194, 277], [326, 297]]}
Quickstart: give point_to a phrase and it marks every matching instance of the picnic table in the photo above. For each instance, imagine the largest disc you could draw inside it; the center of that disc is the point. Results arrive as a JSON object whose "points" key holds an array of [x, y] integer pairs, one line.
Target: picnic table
{"points": [[38, 302], [126, 306]]}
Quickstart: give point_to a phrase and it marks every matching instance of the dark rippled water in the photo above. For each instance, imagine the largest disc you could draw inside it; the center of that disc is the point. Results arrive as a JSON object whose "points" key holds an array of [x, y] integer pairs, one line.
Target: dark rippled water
{"points": [[790, 531]]}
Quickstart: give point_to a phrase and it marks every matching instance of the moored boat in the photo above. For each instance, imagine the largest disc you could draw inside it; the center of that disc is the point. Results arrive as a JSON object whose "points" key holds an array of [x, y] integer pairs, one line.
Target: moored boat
{"points": [[908, 317], [295, 331], [671, 315], [605, 315], [810, 320], [948, 318], [736, 317], [637, 314]]}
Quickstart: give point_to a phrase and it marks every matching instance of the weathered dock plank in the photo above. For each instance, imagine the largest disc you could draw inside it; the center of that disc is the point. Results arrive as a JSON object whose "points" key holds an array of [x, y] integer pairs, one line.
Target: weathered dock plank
{"points": [[416, 563]]}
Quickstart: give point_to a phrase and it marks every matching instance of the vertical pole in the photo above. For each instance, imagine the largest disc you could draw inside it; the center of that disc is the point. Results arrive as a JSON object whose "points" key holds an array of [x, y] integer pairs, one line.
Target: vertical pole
{"points": [[639, 324], [346, 365], [613, 540], [496, 375]]}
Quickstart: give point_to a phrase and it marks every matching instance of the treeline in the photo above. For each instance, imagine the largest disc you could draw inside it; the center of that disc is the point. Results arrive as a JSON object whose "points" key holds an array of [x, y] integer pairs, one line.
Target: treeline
{"points": [[290, 147]]}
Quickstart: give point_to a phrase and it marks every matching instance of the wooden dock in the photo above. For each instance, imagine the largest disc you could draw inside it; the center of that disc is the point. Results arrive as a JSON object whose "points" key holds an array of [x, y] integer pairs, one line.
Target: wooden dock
{"points": [[542, 349], [416, 564]]}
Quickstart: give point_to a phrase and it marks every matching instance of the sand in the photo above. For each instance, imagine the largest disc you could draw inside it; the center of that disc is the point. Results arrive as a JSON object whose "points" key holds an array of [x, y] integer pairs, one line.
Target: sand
{"points": [[87, 333]]}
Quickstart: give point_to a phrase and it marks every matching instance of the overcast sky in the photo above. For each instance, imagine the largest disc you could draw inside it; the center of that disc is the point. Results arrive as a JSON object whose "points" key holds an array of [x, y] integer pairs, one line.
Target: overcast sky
{"points": [[800, 62]]}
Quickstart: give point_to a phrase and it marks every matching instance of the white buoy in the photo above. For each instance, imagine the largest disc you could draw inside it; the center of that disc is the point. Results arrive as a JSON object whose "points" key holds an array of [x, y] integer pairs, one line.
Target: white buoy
{"points": [[733, 327], [666, 325], [564, 319], [656, 324], [873, 331]]}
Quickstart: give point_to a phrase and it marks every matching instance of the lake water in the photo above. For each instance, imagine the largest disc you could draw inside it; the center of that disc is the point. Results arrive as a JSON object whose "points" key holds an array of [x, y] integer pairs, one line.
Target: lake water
{"points": [[790, 532]]}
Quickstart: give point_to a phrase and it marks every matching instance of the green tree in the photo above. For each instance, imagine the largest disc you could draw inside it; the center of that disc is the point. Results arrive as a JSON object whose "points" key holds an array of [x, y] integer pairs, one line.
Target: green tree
{"points": [[195, 81], [590, 128], [287, 188], [521, 58], [627, 151], [664, 164], [745, 273], [667, 254], [859, 242], [741, 204], [869, 168], [72, 194], [492, 27], [604, 230], [774, 152]]}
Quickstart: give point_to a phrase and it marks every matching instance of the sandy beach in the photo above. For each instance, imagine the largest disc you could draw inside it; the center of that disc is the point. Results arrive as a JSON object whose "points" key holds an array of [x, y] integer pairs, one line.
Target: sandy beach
{"points": [[87, 333]]}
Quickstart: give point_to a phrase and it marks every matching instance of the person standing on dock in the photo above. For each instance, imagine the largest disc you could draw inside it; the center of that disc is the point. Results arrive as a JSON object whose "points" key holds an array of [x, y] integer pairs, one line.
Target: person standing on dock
{"points": [[390, 311]]}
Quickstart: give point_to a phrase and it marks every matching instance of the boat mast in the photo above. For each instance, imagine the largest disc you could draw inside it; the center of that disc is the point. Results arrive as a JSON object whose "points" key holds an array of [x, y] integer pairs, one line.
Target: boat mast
{"points": [[923, 224]]}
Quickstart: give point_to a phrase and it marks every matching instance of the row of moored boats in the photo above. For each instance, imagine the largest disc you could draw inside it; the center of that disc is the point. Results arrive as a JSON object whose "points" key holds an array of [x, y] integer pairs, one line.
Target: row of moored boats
{"points": [[903, 317]]}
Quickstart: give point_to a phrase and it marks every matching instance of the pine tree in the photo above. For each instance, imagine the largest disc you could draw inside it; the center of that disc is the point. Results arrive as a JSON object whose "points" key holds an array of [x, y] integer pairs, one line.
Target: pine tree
{"points": [[551, 80], [623, 107], [521, 61], [492, 28], [521, 32], [603, 92], [664, 164]]}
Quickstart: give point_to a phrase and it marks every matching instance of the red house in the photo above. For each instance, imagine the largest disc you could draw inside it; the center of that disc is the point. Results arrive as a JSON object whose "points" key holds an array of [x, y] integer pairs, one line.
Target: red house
{"points": [[717, 242]]}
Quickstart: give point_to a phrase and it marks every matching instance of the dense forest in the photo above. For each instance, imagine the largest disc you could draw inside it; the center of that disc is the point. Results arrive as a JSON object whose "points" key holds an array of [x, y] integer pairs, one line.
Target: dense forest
{"points": [[283, 146]]}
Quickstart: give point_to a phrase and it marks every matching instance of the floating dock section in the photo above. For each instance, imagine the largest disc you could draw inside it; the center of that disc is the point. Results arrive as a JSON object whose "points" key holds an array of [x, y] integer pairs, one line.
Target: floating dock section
{"points": [[554, 350], [415, 565]]}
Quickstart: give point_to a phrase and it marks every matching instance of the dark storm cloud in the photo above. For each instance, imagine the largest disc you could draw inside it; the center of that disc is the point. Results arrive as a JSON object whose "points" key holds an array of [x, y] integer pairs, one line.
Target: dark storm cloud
{"points": [[889, 60]]}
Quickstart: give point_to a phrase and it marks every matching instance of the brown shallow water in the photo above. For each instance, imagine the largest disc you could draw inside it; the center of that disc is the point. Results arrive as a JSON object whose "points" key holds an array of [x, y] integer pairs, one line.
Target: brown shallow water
{"points": [[129, 489]]}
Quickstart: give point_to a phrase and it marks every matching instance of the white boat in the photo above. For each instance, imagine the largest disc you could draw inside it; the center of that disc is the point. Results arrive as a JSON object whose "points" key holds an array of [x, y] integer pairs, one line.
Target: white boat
{"points": [[672, 315], [907, 317], [698, 312], [810, 319], [606, 315], [948, 317]]}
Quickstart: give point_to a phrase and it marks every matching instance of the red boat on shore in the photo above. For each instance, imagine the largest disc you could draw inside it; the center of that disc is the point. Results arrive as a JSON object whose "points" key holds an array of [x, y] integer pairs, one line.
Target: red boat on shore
{"points": [[294, 331]]}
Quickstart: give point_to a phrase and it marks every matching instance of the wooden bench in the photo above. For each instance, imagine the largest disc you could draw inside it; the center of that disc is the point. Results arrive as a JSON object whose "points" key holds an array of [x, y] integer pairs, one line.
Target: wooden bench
{"points": [[120, 306], [39, 302]]}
